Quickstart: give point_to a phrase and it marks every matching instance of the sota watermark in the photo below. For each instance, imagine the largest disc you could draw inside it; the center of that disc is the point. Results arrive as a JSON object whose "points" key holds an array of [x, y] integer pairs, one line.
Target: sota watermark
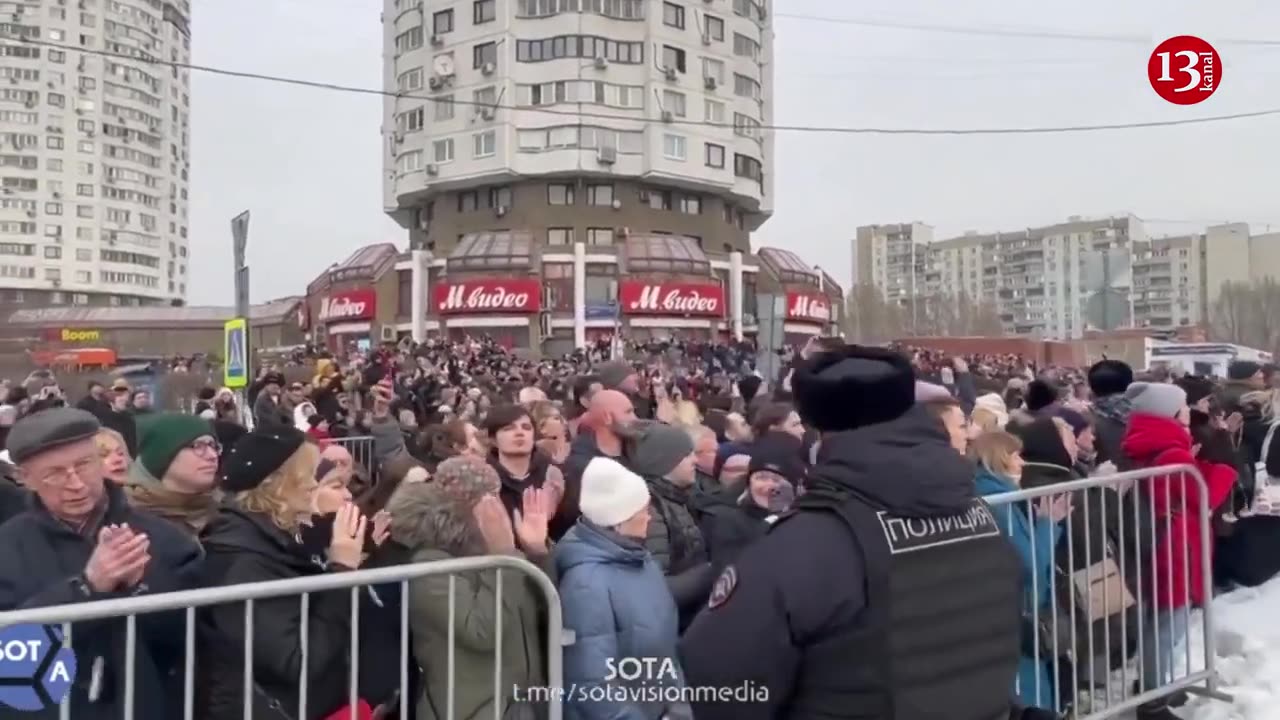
{"points": [[642, 681]]}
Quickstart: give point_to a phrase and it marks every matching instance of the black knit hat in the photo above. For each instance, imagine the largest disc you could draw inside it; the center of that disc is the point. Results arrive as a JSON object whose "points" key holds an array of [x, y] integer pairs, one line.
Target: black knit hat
{"points": [[852, 387], [1109, 377], [1040, 395], [1243, 369], [257, 454], [778, 452]]}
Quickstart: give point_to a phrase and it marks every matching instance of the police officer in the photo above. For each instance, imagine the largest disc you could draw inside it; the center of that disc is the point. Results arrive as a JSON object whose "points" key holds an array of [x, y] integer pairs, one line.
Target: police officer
{"points": [[887, 592]]}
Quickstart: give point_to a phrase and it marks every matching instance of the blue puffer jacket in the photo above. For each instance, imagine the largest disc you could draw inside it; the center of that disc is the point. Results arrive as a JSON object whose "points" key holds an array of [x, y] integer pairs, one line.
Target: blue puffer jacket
{"points": [[616, 602], [1035, 686]]}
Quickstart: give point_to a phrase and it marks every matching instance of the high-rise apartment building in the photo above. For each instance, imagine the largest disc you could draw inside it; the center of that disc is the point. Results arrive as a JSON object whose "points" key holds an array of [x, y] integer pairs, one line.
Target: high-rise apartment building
{"points": [[566, 121], [94, 152], [1039, 280]]}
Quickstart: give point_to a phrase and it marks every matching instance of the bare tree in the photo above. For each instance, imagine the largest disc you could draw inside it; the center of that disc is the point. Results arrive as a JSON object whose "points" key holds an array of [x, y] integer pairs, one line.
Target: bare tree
{"points": [[1247, 313], [869, 318]]}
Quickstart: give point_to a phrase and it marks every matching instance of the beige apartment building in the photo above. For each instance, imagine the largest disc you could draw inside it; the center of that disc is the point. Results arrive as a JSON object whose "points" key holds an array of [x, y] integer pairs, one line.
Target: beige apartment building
{"points": [[1037, 278], [1041, 279]]}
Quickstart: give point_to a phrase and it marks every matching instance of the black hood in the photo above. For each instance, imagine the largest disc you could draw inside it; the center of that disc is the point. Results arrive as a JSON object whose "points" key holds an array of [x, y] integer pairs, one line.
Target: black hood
{"points": [[235, 531], [905, 466]]}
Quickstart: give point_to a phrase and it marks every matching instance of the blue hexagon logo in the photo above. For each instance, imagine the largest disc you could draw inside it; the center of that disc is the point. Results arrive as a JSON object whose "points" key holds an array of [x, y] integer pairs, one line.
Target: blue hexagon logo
{"points": [[36, 667]]}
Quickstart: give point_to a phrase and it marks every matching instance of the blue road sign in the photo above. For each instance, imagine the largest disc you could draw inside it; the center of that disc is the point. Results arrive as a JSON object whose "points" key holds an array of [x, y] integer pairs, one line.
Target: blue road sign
{"points": [[235, 372]]}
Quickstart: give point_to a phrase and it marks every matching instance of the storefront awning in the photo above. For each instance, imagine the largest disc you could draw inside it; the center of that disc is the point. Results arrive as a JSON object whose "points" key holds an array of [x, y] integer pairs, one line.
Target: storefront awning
{"points": [[492, 251], [666, 254], [787, 267]]}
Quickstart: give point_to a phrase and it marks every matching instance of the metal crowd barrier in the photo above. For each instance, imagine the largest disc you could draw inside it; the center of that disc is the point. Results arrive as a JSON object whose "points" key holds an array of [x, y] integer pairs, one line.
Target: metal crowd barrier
{"points": [[1095, 643], [127, 610], [361, 449]]}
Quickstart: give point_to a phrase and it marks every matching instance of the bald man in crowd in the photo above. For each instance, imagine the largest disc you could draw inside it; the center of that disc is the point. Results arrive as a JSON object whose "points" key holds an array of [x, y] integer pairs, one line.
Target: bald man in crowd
{"points": [[602, 433]]}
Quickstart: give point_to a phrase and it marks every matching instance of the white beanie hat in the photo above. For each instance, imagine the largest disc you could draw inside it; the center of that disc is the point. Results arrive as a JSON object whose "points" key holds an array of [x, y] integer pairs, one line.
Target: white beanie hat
{"points": [[611, 494], [994, 404]]}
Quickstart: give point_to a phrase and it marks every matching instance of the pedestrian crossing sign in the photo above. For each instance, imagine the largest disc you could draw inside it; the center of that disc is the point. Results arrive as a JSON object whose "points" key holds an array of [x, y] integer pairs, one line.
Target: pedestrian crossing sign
{"points": [[235, 372]]}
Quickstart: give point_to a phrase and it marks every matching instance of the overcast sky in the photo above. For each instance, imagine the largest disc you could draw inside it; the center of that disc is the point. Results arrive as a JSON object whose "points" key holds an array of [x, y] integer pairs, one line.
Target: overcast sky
{"points": [[307, 162]]}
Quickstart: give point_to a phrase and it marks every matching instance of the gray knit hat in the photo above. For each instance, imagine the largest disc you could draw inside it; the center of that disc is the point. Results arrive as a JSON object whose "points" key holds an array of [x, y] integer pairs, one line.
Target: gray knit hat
{"points": [[613, 374], [1160, 399], [658, 449]]}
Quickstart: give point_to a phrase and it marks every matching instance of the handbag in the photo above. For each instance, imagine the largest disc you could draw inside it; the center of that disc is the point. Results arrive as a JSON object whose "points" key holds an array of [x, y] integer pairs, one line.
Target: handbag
{"points": [[1099, 590]]}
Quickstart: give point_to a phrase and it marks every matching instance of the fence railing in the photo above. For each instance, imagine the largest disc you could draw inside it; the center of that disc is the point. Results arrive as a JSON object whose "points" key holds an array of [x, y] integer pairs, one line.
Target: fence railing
{"points": [[126, 612], [1109, 564]]}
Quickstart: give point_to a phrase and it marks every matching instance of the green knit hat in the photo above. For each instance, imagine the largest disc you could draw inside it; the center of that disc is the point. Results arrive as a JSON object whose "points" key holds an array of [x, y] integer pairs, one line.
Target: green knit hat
{"points": [[163, 435]]}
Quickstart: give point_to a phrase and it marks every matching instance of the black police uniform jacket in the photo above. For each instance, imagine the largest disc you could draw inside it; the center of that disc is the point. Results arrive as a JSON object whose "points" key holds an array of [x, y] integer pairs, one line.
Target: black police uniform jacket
{"points": [[887, 593], [43, 565]]}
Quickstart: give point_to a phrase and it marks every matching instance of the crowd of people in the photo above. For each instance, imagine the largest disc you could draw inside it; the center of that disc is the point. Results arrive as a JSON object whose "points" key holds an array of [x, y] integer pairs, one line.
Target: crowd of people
{"points": [[815, 544]]}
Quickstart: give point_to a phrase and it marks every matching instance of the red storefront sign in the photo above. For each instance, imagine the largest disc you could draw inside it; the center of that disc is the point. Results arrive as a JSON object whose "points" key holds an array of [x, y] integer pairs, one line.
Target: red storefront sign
{"points": [[471, 297], [807, 306], [350, 305], [675, 299]]}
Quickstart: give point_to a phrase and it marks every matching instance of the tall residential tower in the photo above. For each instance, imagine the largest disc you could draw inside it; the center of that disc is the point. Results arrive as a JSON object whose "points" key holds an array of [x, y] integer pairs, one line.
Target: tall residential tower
{"points": [[94, 152]]}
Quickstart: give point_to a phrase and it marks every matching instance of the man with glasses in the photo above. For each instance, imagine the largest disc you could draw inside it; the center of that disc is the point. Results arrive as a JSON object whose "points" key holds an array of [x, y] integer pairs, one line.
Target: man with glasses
{"points": [[79, 541], [174, 475]]}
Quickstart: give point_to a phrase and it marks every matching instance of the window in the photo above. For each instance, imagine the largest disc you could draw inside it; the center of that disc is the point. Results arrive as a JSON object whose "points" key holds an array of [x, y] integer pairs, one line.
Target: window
{"points": [[53, 253], [559, 194], [744, 86], [744, 46], [83, 276], [618, 9], [443, 108], [484, 54], [410, 81], [690, 205], [713, 68], [745, 166], [52, 274], [600, 195], [559, 236], [582, 91], [410, 39], [443, 150], [714, 111], [468, 201], [84, 255], [411, 121], [673, 58], [85, 146], [673, 102], [713, 27], [53, 231], [579, 46], [484, 11], [673, 15], [57, 99], [84, 233], [84, 211], [84, 190], [442, 22], [486, 144], [500, 197], [52, 208], [673, 146], [57, 56], [715, 155], [485, 97], [746, 126], [599, 236], [53, 142], [409, 162]]}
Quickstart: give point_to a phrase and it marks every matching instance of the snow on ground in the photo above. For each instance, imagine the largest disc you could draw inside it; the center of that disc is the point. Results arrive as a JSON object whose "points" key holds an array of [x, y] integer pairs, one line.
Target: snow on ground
{"points": [[1247, 632]]}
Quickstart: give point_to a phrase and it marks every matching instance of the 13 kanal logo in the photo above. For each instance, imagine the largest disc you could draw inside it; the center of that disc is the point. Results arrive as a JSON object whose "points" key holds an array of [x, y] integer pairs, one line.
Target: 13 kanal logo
{"points": [[1185, 70], [36, 667]]}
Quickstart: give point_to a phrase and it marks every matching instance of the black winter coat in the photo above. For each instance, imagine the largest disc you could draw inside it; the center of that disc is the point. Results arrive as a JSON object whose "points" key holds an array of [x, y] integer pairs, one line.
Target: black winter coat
{"points": [[43, 565], [676, 544], [729, 527], [13, 497], [247, 547]]}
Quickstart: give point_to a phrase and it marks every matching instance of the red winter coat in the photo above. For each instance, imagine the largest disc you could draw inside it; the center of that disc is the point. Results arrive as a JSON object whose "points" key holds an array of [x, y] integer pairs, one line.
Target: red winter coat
{"points": [[1152, 441]]}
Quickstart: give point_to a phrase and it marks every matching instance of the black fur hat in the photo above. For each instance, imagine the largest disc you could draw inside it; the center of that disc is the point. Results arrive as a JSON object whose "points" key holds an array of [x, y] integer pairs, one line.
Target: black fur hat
{"points": [[852, 387], [1040, 395], [1109, 377]]}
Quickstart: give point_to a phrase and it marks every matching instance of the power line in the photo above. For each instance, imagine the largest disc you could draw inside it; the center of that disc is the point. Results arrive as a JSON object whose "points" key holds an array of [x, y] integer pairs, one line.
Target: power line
{"points": [[1006, 32], [815, 129]]}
